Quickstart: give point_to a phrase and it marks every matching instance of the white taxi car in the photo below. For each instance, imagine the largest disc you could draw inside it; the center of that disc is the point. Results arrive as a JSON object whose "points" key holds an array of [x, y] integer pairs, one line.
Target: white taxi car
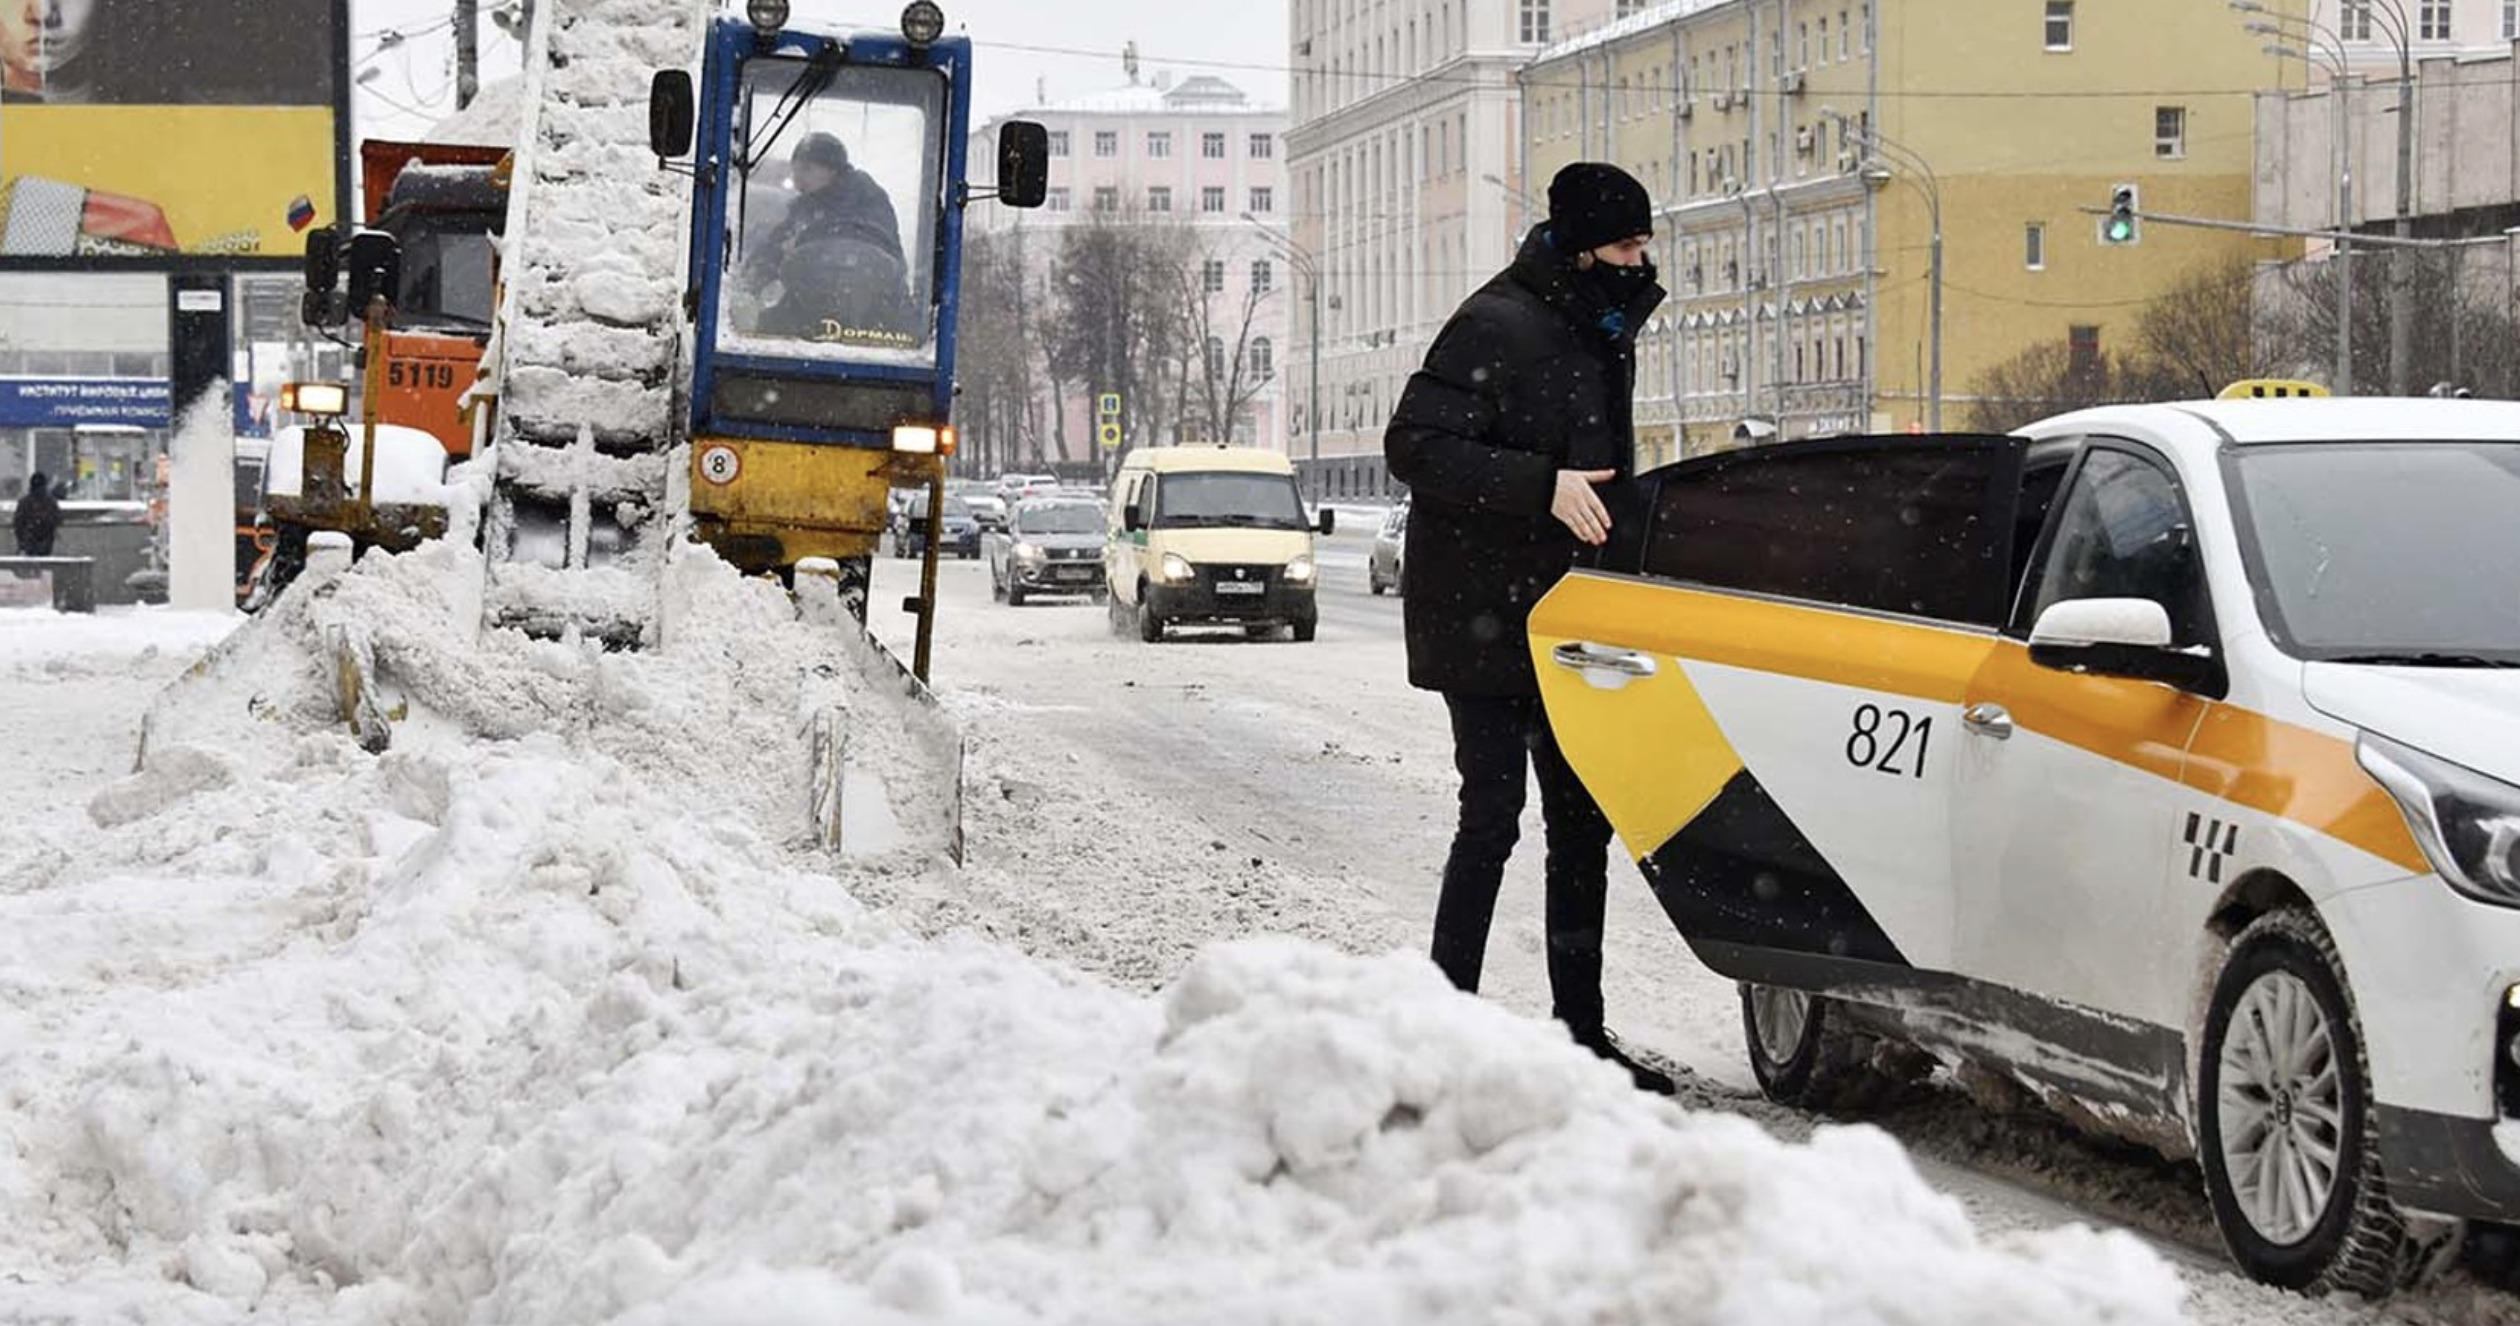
{"points": [[2164, 758]]}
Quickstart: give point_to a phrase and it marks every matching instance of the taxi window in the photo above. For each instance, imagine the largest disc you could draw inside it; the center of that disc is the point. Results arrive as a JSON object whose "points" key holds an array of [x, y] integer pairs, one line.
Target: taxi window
{"points": [[2123, 532], [1921, 527]]}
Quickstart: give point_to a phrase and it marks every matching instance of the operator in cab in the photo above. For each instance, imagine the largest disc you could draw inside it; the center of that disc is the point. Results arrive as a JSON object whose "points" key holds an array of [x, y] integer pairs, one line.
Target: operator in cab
{"points": [[832, 269]]}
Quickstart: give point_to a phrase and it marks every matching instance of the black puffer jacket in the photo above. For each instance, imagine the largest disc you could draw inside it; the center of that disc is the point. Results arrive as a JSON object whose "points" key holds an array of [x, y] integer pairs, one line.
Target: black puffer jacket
{"points": [[1533, 375]]}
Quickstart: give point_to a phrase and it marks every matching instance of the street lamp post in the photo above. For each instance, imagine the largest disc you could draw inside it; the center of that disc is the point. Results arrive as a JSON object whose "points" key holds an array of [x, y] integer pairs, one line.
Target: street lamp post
{"points": [[1311, 269], [2401, 305], [1877, 177], [2320, 43]]}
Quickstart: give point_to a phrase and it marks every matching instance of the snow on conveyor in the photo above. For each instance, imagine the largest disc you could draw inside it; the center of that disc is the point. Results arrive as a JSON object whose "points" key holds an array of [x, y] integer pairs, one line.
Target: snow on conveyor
{"points": [[586, 354]]}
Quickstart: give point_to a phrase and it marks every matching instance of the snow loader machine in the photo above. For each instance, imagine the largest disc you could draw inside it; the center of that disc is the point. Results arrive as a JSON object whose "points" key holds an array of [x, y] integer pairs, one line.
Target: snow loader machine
{"points": [[679, 356]]}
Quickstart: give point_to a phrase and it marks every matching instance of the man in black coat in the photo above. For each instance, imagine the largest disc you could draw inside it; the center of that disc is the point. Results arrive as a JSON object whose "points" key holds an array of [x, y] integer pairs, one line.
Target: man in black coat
{"points": [[1521, 412], [836, 254], [38, 518]]}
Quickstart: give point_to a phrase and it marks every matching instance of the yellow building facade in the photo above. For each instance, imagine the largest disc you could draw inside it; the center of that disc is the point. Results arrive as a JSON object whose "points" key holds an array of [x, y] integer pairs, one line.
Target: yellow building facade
{"points": [[1800, 151]]}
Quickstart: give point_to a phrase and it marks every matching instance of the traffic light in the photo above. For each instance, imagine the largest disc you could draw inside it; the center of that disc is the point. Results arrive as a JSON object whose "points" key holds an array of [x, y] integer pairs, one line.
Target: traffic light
{"points": [[2119, 227]]}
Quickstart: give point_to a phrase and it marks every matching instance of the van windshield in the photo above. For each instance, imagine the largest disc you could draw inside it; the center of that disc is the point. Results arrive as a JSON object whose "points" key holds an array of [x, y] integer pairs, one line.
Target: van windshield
{"points": [[1198, 499]]}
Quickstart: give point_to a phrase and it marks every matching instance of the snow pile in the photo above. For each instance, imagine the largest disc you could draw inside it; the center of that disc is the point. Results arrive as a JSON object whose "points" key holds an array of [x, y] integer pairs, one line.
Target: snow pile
{"points": [[537, 1017]]}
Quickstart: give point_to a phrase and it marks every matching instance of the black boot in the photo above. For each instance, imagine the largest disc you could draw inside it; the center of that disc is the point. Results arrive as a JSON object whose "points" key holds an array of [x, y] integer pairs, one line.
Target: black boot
{"points": [[1601, 1042]]}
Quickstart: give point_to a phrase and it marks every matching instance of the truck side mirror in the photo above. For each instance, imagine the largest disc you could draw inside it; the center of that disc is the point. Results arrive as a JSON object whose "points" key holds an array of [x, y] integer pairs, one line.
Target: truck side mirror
{"points": [[671, 106], [1023, 172], [375, 263], [1329, 521]]}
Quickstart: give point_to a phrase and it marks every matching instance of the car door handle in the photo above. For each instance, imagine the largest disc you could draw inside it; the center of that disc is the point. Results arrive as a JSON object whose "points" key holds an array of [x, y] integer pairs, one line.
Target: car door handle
{"points": [[1585, 656], [1988, 720]]}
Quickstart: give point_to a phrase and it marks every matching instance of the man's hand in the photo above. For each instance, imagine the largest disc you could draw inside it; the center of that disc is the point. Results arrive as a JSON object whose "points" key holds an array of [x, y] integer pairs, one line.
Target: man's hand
{"points": [[1579, 508]]}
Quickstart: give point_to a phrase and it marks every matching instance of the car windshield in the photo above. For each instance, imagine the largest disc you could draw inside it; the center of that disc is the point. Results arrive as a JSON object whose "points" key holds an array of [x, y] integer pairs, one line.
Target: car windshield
{"points": [[2392, 552], [954, 506], [1067, 518], [1200, 498]]}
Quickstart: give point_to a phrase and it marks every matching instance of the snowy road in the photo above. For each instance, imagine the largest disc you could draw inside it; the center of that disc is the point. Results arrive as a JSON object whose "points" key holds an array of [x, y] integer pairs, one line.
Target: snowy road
{"points": [[1310, 788]]}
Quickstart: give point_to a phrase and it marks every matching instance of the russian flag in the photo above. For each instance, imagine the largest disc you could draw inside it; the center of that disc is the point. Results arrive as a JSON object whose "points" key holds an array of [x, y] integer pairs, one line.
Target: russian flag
{"points": [[301, 213]]}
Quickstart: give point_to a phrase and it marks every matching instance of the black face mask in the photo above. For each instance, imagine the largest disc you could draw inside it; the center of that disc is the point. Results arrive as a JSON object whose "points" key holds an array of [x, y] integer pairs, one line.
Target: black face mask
{"points": [[1617, 285]]}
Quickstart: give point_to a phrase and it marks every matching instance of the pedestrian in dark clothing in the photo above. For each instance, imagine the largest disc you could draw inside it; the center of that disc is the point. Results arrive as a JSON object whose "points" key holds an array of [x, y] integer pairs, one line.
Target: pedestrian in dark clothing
{"points": [[1521, 411], [38, 518], [836, 255]]}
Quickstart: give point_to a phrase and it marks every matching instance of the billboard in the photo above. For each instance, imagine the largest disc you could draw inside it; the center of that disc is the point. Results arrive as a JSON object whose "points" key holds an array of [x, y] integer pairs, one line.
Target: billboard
{"points": [[144, 132]]}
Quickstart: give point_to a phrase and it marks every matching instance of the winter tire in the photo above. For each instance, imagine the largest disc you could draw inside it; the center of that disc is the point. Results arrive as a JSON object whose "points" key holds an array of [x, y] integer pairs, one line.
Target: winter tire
{"points": [[2283, 1120], [1375, 585], [1150, 626], [1303, 628], [1804, 1056], [1014, 595]]}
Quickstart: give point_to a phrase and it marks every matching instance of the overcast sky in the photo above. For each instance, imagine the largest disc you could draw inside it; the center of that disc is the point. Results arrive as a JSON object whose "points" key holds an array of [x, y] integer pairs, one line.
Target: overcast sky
{"points": [[1068, 47]]}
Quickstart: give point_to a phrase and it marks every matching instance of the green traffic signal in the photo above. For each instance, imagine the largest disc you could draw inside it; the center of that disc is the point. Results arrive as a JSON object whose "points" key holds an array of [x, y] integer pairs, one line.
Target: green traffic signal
{"points": [[2119, 227]]}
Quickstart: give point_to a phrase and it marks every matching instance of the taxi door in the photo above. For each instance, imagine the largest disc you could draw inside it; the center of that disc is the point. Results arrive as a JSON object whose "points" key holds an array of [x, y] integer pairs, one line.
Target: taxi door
{"points": [[2069, 783], [1762, 688]]}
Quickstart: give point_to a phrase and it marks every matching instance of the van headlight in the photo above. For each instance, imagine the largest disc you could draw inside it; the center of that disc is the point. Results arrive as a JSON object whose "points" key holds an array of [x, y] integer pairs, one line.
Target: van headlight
{"points": [[1176, 569], [2467, 824], [1300, 571]]}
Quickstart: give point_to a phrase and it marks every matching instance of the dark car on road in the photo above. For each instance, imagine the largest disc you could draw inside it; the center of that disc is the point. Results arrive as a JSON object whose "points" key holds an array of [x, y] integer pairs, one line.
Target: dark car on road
{"points": [[1049, 546], [909, 532]]}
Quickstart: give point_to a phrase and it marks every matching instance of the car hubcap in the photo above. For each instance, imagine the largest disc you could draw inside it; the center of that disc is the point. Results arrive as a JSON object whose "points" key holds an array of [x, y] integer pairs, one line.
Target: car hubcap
{"points": [[2281, 1108], [1782, 1015]]}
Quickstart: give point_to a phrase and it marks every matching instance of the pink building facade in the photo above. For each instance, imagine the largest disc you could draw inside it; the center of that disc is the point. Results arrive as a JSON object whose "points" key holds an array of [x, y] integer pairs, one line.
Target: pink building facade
{"points": [[1200, 153]]}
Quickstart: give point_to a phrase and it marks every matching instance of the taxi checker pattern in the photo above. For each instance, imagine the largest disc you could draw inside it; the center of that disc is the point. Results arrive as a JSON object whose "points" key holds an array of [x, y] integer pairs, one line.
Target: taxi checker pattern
{"points": [[1873, 792]]}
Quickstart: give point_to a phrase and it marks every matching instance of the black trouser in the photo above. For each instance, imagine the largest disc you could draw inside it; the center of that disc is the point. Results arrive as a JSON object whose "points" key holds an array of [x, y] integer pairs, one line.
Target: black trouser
{"points": [[1495, 738]]}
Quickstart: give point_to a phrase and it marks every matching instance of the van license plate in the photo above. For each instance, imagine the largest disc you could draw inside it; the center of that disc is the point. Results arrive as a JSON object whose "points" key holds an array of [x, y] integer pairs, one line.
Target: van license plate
{"points": [[1240, 587]]}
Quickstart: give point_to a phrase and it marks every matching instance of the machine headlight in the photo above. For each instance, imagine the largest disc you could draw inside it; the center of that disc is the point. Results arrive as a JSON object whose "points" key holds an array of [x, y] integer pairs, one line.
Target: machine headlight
{"points": [[1176, 568], [1300, 571], [2467, 824], [329, 399], [922, 23], [1027, 552], [767, 15], [923, 439]]}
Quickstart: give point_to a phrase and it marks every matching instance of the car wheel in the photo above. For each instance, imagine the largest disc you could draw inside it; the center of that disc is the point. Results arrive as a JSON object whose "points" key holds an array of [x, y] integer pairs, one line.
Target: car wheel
{"points": [[1150, 626], [2284, 1129], [1304, 627], [1014, 595], [1374, 584], [1805, 1056]]}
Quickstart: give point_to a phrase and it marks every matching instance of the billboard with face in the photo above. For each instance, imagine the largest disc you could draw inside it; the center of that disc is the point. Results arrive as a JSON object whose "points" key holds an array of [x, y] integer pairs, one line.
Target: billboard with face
{"points": [[151, 130]]}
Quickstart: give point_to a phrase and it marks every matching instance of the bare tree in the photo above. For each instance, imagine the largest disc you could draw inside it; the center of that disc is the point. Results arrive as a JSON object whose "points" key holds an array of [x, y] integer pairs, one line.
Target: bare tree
{"points": [[1222, 377], [2463, 334], [2200, 337], [1117, 321], [2045, 378], [995, 365]]}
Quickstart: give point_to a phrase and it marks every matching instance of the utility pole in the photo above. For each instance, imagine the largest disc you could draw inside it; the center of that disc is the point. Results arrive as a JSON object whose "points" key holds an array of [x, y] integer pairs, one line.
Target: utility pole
{"points": [[467, 52]]}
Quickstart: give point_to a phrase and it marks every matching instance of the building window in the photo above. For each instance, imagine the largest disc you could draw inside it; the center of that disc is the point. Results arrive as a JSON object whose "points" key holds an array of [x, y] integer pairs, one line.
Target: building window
{"points": [[1802, 45], [1212, 146], [2432, 20], [1107, 198], [1159, 142], [1263, 199], [2353, 19], [2060, 25], [1824, 39], [1263, 275], [1263, 357], [1212, 198], [1212, 276], [1535, 20], [2082, 350], [1056, 200], [2169, 131], [1263, 147], [2034, 247], [1215, 358], [2511, 20], [1158, 199], [1106, 142], [1058, 142], [1846, 35]]}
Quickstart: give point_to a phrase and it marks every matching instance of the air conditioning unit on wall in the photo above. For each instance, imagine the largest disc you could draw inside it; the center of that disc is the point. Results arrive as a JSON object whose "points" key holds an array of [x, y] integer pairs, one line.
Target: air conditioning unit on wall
{"points": [[1805, 139], [1792, 83]]}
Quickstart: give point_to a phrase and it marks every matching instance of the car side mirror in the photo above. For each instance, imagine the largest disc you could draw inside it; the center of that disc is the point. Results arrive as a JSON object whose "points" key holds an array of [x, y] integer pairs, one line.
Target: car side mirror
{"points": [[375, 265], [1023, 172], [1329, 521], [2121, 638], [671, 107], [1132, 517]]}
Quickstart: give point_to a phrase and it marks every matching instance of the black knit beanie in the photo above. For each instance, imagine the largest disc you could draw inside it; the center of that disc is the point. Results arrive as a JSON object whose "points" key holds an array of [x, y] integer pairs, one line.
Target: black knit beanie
{"points": [[1592, 203]]}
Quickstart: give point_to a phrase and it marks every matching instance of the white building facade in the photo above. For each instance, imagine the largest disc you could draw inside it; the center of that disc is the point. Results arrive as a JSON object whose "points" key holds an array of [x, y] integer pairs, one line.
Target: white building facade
{"points": [[1405, 158], [1201, 153]]}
